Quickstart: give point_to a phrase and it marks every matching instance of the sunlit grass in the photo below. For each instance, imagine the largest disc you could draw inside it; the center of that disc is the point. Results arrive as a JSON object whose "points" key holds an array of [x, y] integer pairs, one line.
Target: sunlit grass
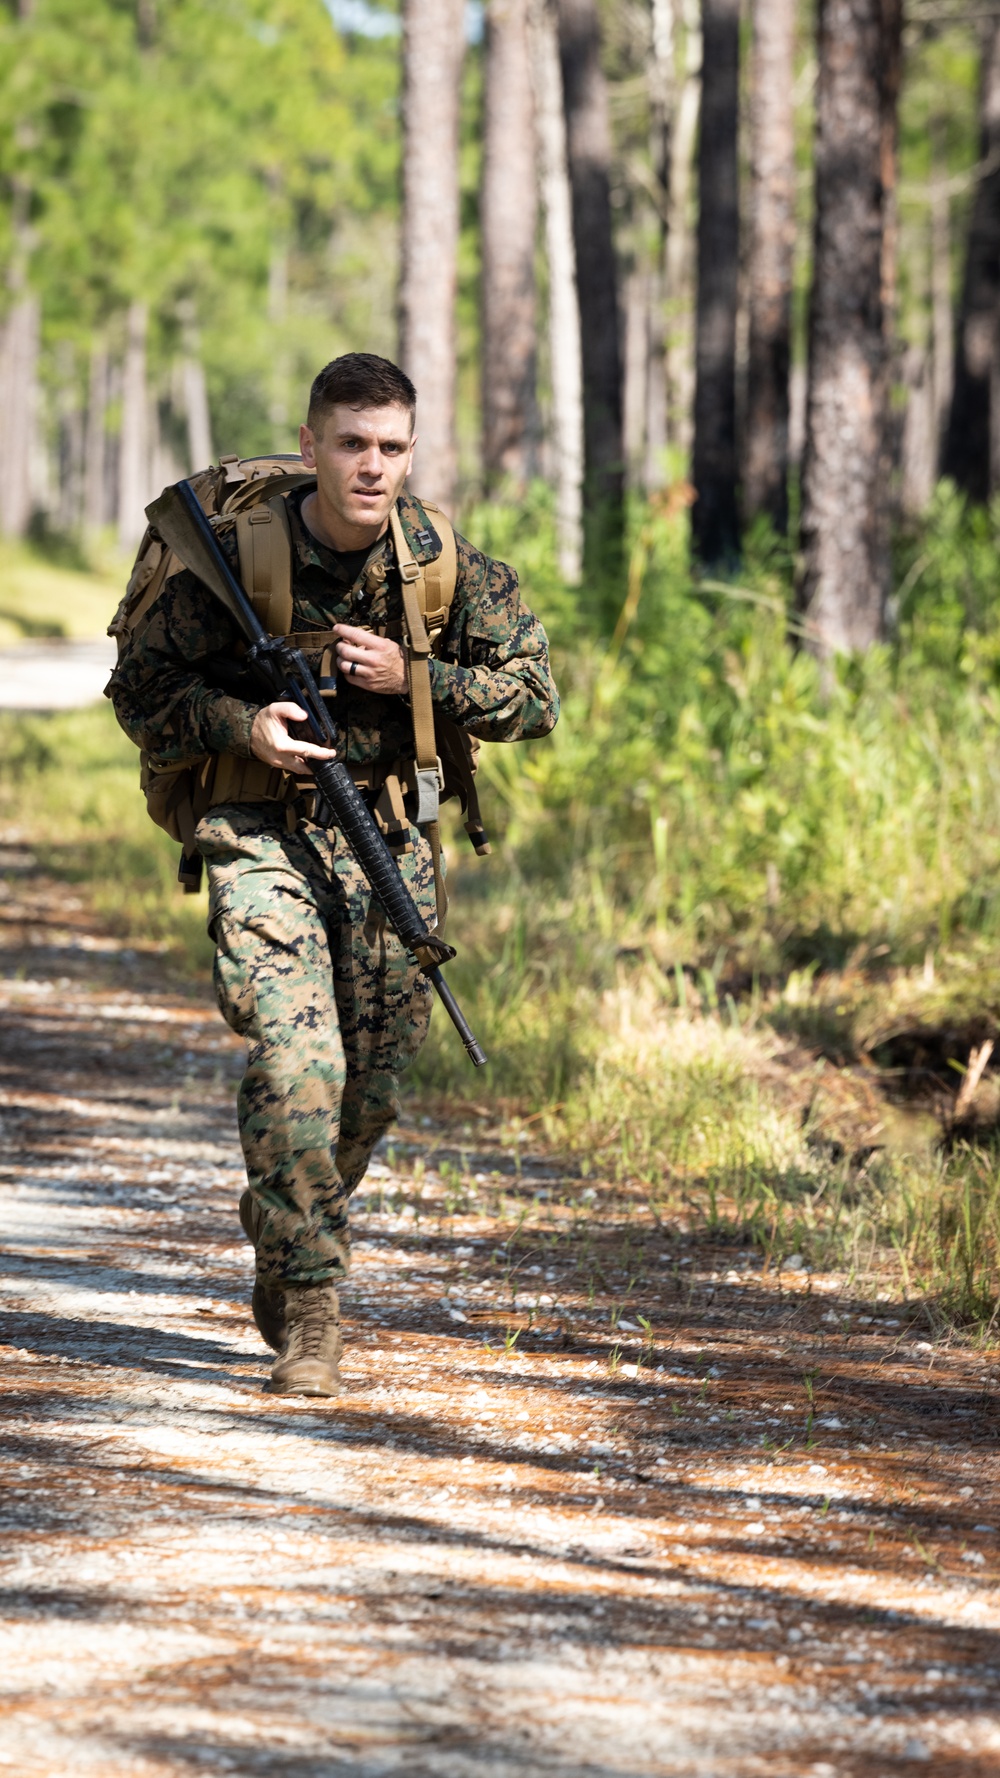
{"points": [[40, 598]]}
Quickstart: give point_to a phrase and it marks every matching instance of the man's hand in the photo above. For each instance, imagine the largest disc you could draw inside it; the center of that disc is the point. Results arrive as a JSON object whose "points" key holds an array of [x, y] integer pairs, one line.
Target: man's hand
{"points": [[271, 741], [374, 663]]}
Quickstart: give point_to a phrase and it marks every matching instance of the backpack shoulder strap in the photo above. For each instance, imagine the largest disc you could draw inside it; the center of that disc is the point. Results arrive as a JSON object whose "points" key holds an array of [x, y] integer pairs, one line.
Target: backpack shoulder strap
{"points": [[440, 576], [417, 647], [264, 539]]}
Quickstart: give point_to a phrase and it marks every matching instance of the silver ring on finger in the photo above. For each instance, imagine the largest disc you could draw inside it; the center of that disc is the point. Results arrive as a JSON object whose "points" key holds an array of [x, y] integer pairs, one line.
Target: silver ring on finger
{"points": [[353, 668]]}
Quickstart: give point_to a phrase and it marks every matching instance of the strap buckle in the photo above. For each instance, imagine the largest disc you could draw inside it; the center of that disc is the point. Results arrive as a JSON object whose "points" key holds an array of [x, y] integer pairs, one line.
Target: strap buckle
{"points": [[430, 783]]}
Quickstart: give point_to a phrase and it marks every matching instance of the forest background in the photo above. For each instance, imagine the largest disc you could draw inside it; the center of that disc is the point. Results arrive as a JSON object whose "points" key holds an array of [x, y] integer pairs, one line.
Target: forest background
{"points": [[703, 304]]}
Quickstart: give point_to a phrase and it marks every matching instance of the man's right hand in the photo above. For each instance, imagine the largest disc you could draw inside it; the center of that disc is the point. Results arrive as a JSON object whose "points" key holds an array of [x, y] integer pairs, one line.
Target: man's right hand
{"points": [[271, 741]]}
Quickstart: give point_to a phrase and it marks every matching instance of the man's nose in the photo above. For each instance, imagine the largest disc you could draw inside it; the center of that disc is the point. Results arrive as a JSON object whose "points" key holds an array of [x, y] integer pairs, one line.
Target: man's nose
{"points": [[371, 461]]}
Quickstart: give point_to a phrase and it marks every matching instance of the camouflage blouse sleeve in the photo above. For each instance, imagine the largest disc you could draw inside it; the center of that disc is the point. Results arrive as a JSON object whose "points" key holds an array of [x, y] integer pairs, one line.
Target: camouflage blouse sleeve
{"points": [[158, 689], [493, 676]]}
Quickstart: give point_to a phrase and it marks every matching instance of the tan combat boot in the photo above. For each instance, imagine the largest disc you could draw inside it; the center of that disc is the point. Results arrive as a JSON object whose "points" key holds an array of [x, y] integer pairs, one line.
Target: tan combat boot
{"points": [[308, 1365], [267, 1303]]}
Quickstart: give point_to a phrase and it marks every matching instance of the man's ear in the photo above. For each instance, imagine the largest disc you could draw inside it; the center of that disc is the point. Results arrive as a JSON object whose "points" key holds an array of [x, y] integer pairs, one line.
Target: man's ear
{"points": [[409, 463], [307, 446]]}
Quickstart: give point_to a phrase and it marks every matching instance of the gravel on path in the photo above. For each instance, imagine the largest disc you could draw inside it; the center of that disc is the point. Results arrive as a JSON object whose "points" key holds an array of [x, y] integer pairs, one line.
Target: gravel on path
{"points": [[592, 1551]]}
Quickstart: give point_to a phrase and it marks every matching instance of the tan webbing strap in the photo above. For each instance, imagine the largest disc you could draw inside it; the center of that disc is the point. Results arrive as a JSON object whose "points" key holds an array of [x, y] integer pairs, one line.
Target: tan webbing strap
{"points": [[418, 649], [440, 891], [264, 539], [441, 575]]}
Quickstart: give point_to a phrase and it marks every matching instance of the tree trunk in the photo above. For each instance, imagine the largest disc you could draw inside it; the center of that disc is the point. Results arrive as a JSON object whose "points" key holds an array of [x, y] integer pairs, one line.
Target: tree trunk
{"points": [[95, 505], [133, 469], [433, 47], [680, 238], [588, 142], [715, 518], [645, 397], [507, 225], [772, 247], [966, 454], [67, 504], [845, 496], [942, 318], [565, 358], [919, 445], [637, 361], [199, 424], [19, 406]]}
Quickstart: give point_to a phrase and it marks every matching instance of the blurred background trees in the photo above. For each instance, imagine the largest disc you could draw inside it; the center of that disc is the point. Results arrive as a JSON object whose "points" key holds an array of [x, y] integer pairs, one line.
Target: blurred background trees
{"points": [[647, 254]]}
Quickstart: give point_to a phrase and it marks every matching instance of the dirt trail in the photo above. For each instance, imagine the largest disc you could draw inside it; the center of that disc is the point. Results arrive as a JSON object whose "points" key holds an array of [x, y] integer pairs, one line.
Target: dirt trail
{"points": [[479, 1561]]}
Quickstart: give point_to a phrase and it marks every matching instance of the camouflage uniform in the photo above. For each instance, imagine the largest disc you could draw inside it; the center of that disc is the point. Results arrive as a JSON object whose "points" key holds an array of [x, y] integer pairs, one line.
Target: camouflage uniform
{"points": [[330, 1005]]}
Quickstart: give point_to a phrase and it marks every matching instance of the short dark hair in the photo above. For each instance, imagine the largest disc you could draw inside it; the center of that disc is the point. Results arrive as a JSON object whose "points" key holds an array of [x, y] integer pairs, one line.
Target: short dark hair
{"points": [[359, 379]]}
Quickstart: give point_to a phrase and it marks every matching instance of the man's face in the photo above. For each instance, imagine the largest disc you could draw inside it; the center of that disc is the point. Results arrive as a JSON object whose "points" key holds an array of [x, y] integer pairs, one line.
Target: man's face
{"points": [[362, 457]]}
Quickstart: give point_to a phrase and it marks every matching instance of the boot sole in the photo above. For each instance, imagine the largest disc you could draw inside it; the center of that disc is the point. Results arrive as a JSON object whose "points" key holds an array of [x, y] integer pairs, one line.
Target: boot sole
{"points": [[311, 1390]]}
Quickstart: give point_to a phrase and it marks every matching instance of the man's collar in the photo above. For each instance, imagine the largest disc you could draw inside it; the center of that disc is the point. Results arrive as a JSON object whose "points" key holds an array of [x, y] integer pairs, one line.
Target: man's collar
{"points": [[420, 535]]}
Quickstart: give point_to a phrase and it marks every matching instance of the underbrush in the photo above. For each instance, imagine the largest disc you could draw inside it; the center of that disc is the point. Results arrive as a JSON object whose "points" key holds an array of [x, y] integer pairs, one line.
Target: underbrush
{"points": [[717, 872], [47, 593], [70, 787]]}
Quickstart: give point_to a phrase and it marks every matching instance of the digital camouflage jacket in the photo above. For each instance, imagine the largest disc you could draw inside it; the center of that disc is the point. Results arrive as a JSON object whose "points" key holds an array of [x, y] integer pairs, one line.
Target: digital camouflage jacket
{"points": [[173, 688]]}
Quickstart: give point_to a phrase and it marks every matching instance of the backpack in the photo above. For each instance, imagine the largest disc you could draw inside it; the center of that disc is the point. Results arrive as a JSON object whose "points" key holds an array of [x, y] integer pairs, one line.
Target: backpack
{"points": [[253, 492]]}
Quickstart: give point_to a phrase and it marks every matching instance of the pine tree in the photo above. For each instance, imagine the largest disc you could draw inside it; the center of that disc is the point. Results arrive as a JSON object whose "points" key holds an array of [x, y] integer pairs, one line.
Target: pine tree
{"points": [[715, 518], [846, 493]]}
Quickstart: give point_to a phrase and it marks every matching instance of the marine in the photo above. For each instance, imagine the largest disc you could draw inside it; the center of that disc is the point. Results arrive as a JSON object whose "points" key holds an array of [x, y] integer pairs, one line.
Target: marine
{"points": [[330, 1005]]}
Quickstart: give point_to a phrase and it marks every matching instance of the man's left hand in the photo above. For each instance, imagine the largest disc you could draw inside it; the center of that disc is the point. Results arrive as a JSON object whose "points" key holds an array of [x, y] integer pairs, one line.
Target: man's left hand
{"points": [[374, 663]]}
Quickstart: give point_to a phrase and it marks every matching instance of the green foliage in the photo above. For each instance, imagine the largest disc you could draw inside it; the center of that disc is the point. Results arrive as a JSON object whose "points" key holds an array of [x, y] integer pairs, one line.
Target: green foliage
{"points": [[232, 155], [705, 789], [70, 785]]}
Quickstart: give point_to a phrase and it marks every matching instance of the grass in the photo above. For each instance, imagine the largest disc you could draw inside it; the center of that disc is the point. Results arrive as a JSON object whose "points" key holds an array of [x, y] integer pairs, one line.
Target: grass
{"points": [[39, 597], [733, 919]]}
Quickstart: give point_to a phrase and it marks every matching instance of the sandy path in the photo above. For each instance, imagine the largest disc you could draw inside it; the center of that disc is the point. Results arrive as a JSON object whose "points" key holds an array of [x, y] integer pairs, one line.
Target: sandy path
{"points": [[54, 675], [479, 1561]]}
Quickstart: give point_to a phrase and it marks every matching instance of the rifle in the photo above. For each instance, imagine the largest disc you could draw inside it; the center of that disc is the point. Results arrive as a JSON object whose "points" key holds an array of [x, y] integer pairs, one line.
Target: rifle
{"points": [[283, 673]]}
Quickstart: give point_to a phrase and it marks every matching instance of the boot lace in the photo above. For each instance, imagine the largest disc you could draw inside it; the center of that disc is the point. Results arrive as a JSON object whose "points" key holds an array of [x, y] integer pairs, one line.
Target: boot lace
{"points": [[314, 1329]]}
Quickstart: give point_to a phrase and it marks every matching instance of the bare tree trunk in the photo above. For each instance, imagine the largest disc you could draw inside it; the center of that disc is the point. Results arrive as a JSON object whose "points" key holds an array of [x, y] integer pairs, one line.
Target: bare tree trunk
{"points": [[637, 360], [588, 140], [715, 518], [966, 454], [507, 225], [846, 491], [942, 318], [645, 454], [19, 407], [919, 450], [134, 459], [95, 504], [67, 504], [680, 237], [565, 357], [433, 47], [199, 424], [772, 247], [192, 394]]}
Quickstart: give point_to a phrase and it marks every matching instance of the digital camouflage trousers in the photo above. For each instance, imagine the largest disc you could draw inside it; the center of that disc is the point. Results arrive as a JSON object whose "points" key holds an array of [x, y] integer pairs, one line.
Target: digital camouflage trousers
{"points": [[331, 1008]]}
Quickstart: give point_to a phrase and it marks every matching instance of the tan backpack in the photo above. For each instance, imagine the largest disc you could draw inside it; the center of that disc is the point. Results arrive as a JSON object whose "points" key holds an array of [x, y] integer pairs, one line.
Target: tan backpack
{"points": [[253, 492]]}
